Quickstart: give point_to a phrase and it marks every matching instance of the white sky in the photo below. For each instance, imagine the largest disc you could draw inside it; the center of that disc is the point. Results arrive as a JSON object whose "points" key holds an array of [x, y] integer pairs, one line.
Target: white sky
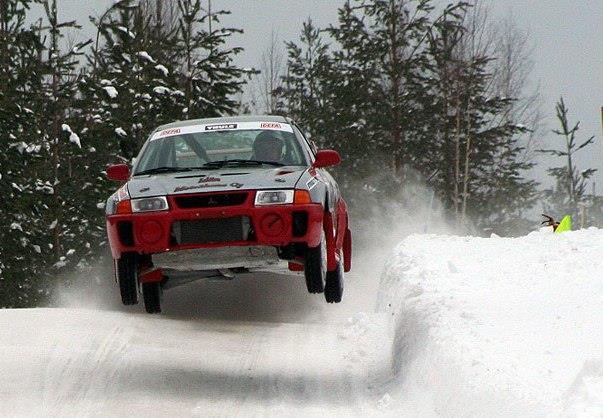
{"points": [[567, 37]]}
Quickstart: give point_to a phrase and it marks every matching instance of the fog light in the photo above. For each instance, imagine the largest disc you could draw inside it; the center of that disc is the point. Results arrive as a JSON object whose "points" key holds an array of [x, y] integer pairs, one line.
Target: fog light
{"points": [[272, 224], [151, 232]]}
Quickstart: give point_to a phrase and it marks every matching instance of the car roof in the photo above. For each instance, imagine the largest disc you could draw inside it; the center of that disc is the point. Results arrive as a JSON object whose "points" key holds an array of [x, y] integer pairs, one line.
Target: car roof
{"points": [[225, 119]]}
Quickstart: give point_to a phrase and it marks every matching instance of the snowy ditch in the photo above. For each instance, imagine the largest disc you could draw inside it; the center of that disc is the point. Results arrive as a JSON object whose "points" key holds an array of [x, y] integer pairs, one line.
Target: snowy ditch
{"points": [[496, 326]]}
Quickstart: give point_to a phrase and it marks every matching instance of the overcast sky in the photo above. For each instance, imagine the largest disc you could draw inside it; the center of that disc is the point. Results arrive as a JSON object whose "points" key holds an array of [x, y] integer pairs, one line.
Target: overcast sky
{"points": [[567, 36]]}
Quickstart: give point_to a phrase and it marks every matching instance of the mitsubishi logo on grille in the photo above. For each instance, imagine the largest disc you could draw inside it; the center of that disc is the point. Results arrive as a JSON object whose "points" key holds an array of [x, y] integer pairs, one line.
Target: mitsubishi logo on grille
{"points": [[212, 202]]}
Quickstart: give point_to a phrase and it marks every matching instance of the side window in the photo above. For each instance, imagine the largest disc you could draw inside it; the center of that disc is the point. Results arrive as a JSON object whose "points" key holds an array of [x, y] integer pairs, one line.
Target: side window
{"points": [[309, 144]]}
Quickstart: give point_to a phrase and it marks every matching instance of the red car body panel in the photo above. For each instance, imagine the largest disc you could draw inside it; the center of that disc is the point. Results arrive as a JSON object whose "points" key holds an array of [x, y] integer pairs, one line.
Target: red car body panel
{"points": [[272, 224]]}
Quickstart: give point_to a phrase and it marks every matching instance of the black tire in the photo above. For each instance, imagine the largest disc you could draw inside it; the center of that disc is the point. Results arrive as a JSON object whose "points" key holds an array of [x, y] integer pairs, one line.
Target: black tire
{"points": [[334, 285], [151, 294], [315, 266], [127, 277]]}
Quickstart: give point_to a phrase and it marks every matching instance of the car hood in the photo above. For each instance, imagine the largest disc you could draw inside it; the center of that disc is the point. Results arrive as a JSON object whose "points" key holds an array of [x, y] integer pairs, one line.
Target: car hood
{"points": [[215, 181]]}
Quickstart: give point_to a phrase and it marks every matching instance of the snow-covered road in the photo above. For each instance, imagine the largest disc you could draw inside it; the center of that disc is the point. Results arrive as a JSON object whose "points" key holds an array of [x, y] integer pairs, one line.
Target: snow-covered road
{"points": [[464, 327], [255, 346], [87, 363]]}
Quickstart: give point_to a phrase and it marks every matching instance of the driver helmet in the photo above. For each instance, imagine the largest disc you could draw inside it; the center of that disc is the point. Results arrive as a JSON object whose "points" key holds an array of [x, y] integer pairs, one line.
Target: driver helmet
{"points": [[268, 147]]}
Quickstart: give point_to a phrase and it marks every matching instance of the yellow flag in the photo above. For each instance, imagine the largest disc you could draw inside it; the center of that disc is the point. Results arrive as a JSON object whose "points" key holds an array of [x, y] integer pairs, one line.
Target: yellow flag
{"points": [[564, 225]]}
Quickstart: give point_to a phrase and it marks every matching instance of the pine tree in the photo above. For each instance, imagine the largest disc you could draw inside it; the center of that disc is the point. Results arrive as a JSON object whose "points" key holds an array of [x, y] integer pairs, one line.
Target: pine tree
{"points": [[405, 90], [330, 98], [570, 189], [150, 69], [208, 76], [303, 95], [21, 72], [132, 86], [41, 84], [479, 175]]}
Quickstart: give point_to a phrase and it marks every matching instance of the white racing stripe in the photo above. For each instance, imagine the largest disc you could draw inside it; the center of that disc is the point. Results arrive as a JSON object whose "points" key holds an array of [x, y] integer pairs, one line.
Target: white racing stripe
{"points": [[212, 127]]}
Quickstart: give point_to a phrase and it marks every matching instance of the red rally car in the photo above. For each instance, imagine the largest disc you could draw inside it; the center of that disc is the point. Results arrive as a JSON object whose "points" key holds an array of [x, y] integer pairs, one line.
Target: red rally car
{"points": [[224, 196]]}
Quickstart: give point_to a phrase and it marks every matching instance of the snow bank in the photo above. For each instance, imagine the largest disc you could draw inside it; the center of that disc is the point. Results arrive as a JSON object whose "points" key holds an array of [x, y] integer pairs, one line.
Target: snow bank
{"points": [[497, 326]]}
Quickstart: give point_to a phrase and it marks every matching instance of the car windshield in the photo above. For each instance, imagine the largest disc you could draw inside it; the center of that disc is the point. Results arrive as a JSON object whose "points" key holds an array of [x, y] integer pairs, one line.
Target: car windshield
{"points": [[182, 150]]}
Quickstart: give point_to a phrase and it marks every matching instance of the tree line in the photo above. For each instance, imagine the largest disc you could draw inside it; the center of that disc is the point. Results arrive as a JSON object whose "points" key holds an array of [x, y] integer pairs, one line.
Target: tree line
{"points": [[409, 93]]}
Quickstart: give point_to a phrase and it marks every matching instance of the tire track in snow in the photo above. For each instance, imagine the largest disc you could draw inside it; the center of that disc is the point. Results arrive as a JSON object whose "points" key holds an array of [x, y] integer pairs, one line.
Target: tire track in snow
{"points": [[85, 372], [95, 363]]}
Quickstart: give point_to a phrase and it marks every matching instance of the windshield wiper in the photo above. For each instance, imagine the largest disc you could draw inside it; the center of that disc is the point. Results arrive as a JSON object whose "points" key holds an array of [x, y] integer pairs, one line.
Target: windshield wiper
{"points": [[222, 163], [158, 170]]}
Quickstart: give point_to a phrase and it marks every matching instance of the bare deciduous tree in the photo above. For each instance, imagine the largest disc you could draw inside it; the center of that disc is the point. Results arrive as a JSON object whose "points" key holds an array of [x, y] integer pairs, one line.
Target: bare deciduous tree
{"points": [[270, 78], [505, 53]]}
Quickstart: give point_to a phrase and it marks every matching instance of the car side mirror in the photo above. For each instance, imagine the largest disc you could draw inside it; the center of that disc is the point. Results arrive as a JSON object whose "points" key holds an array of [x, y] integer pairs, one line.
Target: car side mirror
{"points": [[118, 172], [326, 158]]}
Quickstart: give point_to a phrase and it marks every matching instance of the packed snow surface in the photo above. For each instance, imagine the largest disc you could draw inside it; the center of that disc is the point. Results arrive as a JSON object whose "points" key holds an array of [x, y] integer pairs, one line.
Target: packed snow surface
{"points": [[498, 326], [464, 326]]}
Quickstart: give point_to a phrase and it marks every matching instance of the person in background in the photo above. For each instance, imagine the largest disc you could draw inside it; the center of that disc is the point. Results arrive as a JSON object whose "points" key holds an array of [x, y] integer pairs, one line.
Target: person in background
{"points": [[549, 221]]}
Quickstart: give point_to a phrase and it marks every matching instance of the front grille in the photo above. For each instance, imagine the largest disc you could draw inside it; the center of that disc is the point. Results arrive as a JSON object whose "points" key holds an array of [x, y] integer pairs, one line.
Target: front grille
{"points": [[211, 231], [210, 201]]}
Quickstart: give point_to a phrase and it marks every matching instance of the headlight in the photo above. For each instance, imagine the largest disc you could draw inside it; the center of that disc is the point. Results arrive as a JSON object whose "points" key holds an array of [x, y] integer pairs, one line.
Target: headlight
{"points": [[273, 197], [150, 204]]}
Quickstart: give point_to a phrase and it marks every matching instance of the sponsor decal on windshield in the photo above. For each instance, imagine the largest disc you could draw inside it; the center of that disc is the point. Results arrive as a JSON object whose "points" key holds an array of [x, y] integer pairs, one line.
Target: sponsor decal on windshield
{"points": [[170, 132], [218, 127], [221, 127], [270, 125]]}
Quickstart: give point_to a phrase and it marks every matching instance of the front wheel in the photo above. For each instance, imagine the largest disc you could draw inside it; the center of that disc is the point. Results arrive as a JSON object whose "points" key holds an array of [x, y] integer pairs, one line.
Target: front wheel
{"points": [[334, 285], [151, 294], [315, 266], [126, 269]]}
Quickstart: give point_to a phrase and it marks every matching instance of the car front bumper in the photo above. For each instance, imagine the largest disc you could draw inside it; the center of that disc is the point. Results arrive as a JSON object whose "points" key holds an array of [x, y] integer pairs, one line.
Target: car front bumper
{"points": [[187, 228]]}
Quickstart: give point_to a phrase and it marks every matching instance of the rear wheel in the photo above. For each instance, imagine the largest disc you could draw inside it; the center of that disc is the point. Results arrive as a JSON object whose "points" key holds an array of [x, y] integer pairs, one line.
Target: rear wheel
{"points": [[315, 266], [151, 294], [334, 284], [127, 276]]}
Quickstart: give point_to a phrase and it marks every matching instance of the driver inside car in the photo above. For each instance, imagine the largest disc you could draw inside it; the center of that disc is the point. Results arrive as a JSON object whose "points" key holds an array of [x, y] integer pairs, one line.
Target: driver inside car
{"points": [[267, 147]]}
